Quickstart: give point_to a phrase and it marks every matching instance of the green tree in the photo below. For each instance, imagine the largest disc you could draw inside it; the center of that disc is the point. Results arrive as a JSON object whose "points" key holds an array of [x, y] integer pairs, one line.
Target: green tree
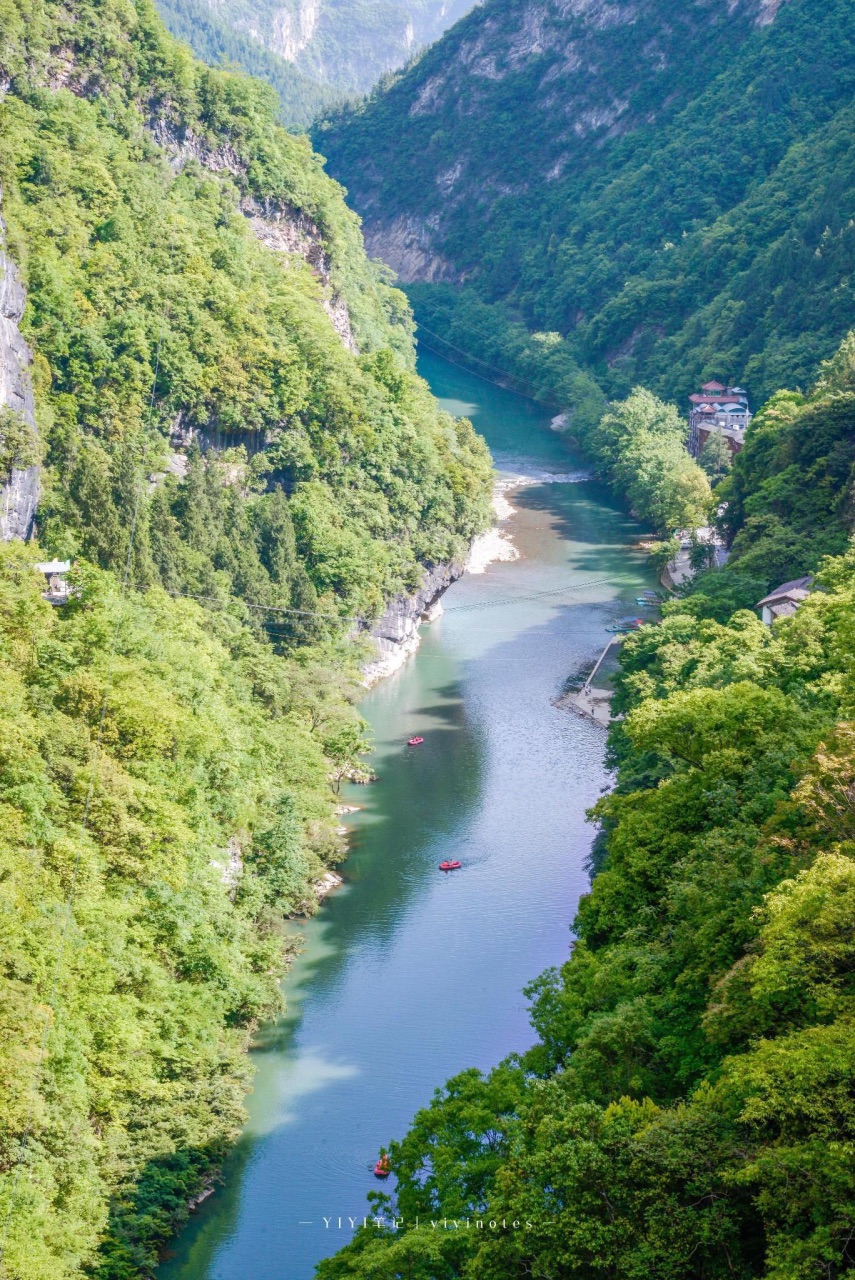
{"points": [[18, 443], [715, 457], [640, 445], [279, 859]]}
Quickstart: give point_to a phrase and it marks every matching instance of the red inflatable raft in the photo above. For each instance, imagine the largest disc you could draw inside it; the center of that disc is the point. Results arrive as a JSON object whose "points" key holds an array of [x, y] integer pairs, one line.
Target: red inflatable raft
{"points": [[414, 742], [450, 864], [381, 1168]]}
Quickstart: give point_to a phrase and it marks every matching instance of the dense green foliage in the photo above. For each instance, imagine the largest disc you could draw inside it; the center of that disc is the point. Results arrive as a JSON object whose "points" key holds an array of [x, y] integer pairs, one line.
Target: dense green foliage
{"points": [[175, 942], [715, 457], [640, 445], [227, 406], [790, 494], [129, 266], [679, 204], [18, 447], [687, 1110], [215, 41], [227, 410]]}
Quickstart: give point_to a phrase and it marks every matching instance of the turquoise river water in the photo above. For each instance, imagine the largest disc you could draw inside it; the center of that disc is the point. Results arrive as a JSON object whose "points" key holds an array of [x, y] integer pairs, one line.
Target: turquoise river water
{"points": [[409, 975]]}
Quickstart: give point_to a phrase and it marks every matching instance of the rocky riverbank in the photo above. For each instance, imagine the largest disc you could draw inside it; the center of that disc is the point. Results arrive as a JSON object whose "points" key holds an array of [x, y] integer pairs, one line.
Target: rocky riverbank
{"points": [[396, 633]]}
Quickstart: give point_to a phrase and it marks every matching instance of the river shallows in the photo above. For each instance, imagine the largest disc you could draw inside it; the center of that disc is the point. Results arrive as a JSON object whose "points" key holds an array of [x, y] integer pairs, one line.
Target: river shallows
{"points": [[409, 975]]}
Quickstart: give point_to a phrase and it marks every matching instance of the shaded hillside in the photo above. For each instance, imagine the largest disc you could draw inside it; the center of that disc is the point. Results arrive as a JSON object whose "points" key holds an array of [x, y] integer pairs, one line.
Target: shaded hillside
{"points": [[239, 459], [673, 194]]}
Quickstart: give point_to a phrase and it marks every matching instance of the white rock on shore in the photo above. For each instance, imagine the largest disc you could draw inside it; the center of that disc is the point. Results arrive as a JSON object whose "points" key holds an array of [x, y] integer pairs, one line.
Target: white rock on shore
{"points": [[503, 486], [326, 884], [194, 1201], [494, 545], [396, 634], [489, 547]]}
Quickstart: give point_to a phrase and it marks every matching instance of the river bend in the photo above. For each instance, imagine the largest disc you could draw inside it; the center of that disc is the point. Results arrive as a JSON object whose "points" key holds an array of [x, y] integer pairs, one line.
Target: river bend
{"points": [[409, 975]]}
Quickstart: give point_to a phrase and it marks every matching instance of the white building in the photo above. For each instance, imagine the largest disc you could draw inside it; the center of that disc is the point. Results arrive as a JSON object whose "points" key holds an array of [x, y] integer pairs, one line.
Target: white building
{"points": [[56, 580]]}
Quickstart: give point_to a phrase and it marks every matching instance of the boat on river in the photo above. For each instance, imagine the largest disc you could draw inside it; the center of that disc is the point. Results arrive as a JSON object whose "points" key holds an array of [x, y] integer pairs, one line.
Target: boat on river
{"points": [[382, 1168], [450, 864], [625, 626], [414, 742]]}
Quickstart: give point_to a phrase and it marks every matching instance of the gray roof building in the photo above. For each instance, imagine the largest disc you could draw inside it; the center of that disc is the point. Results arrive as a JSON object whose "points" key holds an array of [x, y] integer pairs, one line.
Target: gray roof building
{"points": [[784, 600]]}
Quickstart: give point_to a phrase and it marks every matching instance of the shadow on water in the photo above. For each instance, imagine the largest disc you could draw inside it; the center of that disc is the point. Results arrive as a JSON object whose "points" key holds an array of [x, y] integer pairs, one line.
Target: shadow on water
{"points": [[399, 820], [599, 530], [225, 1203], [386, 865]]}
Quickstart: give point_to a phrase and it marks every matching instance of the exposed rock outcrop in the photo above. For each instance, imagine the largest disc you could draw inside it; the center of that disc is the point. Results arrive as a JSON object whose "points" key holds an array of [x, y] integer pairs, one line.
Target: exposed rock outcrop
{"points": [[277, 224], [19, 492], [406, 245], [19, 500], [181, 144], [286, 230], [291, 32], [328, 881], [230, 865], [768, 11], [396, 634]]}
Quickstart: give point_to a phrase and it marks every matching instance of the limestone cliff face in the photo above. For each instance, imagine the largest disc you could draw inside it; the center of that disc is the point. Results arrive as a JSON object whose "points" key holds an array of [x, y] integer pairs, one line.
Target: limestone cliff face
{"points": [[396, 633], [405, 244], [291, 31], [345, 45], [286, 230], [277, 224], [19, 492]]}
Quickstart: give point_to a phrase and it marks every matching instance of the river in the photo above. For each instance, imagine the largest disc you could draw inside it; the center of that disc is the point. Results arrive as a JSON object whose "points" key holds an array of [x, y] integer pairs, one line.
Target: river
{"points": [[409, 975]]}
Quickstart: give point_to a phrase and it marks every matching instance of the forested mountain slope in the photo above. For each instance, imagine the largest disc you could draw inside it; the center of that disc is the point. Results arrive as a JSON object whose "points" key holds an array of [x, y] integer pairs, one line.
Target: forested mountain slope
{"points": [[344, 45], [791, 497], [238, 457], [670, 188], [160, 217], [687, 1110], [213, 39]]}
